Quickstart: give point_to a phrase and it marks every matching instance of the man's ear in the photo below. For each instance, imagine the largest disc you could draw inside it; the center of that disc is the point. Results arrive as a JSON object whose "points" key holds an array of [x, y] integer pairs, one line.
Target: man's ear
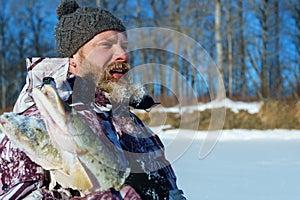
{"points": [[72, 65], [73, 62]]}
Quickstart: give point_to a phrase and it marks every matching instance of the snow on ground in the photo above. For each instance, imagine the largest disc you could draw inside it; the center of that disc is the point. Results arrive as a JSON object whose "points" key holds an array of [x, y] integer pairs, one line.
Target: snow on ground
{"points": [[228, 135], [234, 106], [244, 164], [241, 164]]}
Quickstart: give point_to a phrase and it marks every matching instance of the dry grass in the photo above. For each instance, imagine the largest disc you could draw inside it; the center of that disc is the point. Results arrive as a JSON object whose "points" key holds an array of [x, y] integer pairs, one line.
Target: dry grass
{"points": [[274, 114], [8, 109]]}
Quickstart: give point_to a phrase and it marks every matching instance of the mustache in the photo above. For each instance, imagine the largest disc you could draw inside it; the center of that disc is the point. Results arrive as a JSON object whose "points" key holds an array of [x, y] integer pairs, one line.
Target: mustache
{"points": [[118, 67], [105, 79], [123, 88]]}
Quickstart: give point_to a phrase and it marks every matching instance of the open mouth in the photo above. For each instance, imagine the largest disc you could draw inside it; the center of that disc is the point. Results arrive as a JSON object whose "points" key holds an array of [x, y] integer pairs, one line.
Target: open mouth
{"points": [[118, 71]]}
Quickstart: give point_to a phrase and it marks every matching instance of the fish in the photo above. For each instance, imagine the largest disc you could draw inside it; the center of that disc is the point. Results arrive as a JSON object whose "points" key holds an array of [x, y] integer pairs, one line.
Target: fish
{"points": [[30, 135], [77, 158]]}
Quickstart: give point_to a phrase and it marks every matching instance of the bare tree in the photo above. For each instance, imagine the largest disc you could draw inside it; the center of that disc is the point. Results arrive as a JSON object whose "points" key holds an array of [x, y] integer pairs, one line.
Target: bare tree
{"points": [[4, 24], [175, 22], [229, 49], [218, 37], [264, 71], [242, 48], [256, 48], [278, 71], [293, 8]]}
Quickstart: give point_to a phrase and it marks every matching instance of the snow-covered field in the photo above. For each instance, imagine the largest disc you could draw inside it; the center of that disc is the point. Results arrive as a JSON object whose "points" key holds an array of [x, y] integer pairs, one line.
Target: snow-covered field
{"points": [[243, 165], [234, 106]]}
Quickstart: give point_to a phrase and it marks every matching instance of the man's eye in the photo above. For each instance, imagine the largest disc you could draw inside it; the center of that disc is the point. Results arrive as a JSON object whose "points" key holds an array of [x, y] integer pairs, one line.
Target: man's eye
{"points": [[125, 47], [106, 45]]}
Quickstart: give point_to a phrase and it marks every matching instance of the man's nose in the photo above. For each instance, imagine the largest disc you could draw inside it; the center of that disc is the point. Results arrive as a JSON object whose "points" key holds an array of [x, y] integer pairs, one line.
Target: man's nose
{"points": [[121, 54]]}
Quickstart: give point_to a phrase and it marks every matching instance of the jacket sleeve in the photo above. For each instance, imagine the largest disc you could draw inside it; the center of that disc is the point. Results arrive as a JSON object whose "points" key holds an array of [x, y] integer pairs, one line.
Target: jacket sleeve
{"points": [[20, 178], [18, 174]]}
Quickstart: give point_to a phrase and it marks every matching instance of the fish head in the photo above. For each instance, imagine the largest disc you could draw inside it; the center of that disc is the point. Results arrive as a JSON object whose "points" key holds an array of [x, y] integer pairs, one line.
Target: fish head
{"points": [[50, 104], [57, 116]]}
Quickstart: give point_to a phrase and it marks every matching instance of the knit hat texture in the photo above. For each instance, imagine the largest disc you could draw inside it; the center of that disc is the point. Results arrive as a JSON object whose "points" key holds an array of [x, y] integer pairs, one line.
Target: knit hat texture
{"points": [[76, 26]]}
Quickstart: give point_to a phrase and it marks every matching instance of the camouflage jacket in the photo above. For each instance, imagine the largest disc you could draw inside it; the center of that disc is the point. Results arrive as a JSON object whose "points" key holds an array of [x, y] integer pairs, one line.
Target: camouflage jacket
{"points": [[152, 176]]}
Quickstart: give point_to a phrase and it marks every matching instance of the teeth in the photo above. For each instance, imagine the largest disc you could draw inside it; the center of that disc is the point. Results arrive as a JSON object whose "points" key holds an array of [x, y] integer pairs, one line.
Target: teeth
{"points": [[120, 70]]}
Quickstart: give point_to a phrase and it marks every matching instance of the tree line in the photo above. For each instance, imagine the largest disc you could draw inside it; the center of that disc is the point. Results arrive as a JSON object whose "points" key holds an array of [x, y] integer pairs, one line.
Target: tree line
{"points": [[254, 44]]}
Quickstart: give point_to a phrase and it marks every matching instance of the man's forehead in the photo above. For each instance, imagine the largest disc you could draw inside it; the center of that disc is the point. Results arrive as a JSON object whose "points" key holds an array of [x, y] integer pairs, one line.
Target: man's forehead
{"points": [[110, 35]]}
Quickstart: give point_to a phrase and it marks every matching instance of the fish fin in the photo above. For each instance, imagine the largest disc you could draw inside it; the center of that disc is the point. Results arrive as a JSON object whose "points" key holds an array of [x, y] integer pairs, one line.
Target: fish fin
{"points": [[74, 176], [80, 177], [53, 181]]}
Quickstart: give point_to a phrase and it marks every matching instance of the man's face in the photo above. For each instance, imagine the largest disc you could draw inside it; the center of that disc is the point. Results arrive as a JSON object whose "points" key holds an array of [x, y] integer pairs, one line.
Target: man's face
{"points": [[100, 54], [104, 60]]}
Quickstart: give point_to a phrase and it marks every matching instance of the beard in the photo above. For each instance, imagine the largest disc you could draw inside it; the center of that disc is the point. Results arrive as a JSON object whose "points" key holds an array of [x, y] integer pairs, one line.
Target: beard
{"points": [[116, 81]]}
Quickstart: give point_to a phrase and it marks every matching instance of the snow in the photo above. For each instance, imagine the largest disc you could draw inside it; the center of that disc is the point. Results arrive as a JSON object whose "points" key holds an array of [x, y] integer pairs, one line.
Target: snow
{"points": [[229, 135], [244, 164], [241, 164], [234, 106]]}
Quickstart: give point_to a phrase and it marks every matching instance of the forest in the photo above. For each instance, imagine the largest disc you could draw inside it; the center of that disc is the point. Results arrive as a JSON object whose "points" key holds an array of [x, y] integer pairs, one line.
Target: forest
{"points": [[253, 44]]}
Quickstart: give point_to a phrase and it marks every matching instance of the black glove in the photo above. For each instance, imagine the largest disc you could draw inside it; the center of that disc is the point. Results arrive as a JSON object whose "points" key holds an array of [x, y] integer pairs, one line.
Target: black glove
{"points": [[146, 103], [176, 195]]}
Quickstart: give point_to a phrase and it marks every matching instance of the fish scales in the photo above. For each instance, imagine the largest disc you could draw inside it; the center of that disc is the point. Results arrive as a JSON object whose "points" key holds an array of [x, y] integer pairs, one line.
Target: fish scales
{"points": [[74, 154]]}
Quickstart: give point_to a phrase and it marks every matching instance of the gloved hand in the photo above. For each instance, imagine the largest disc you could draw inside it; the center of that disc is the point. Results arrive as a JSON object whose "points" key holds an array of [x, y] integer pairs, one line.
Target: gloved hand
{"points": [[146, 103], [176, 195]]}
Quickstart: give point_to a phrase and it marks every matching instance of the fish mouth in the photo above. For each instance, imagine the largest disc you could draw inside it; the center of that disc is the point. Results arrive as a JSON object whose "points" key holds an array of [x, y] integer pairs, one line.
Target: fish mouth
{"points": [[49, 103]]}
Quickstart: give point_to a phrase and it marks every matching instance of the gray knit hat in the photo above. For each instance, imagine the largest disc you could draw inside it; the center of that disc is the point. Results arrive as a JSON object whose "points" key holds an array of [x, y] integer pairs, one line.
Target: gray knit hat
{"points": [[77, 26]]}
